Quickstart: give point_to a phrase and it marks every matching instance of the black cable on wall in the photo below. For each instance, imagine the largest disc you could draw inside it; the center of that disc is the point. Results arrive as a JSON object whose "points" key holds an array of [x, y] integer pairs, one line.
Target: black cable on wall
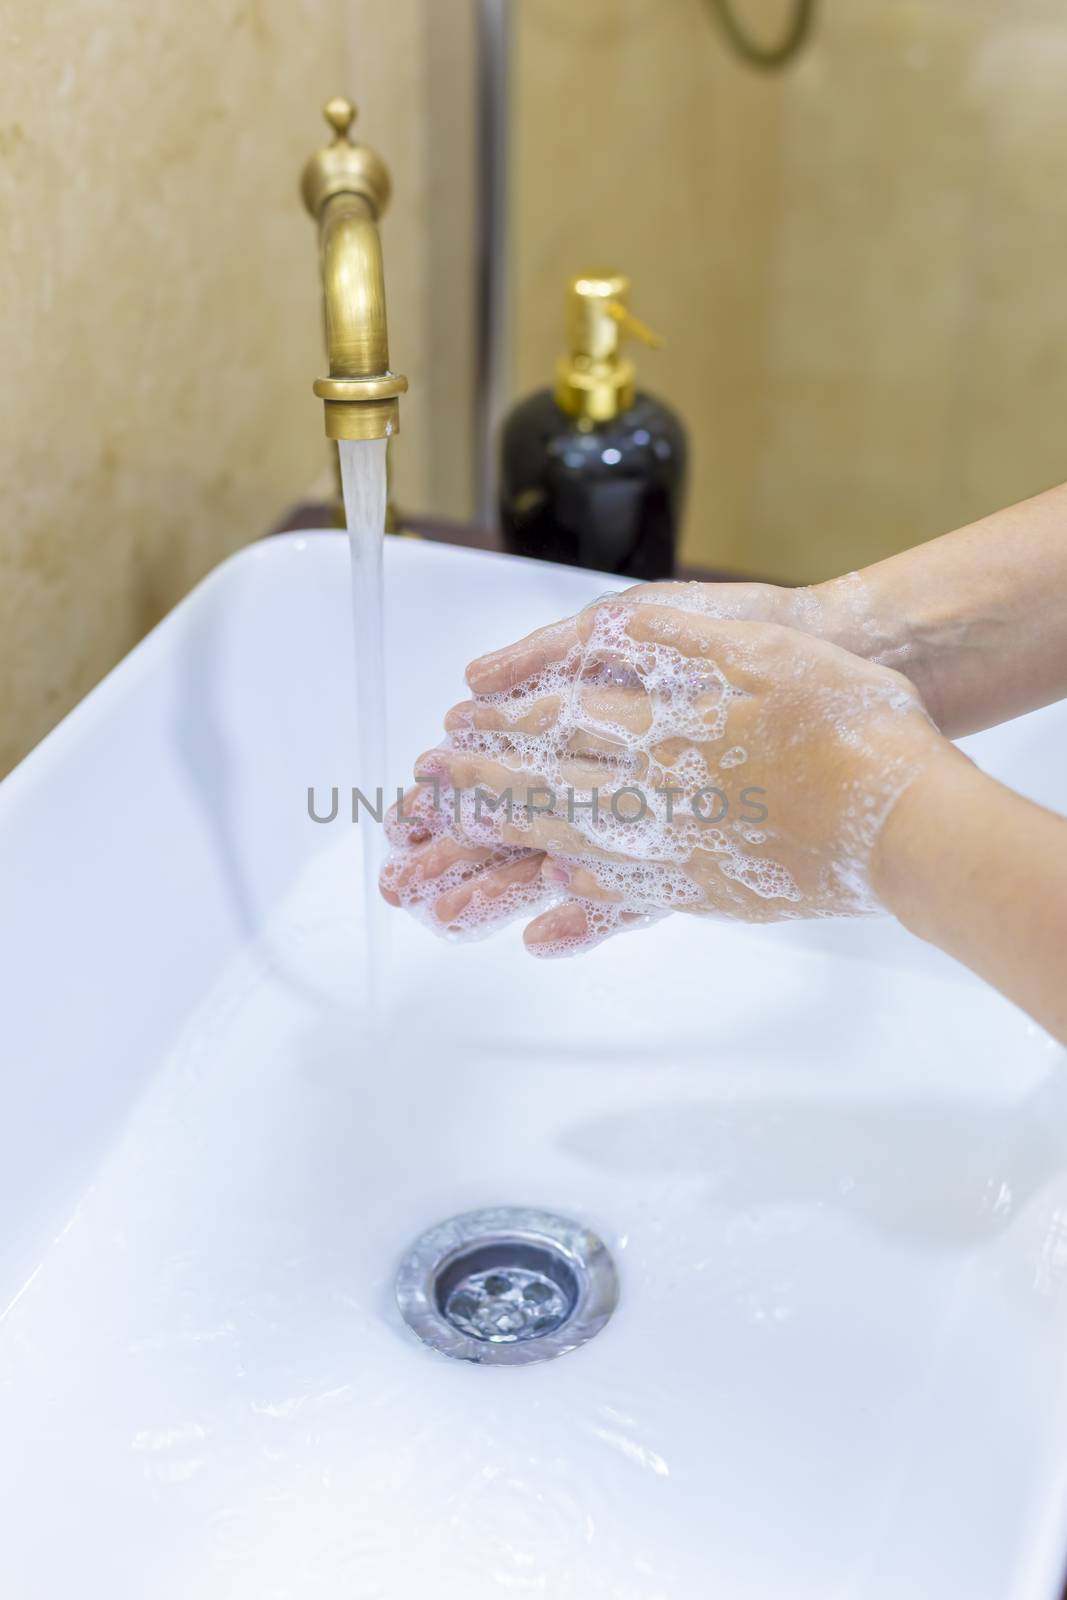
{"points": [[771, 57]]}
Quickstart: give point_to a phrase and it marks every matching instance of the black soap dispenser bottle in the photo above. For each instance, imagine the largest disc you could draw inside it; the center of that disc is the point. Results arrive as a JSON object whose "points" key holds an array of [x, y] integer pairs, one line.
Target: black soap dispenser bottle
{"points": [[592, 473]]}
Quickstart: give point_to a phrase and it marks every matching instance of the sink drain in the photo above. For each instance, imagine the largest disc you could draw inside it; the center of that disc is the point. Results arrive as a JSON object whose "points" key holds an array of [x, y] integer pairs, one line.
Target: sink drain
{"points": [[507, 1285]]}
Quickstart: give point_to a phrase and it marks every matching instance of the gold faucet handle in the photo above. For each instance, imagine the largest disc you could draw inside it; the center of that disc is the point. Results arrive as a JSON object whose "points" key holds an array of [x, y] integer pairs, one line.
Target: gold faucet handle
{"points": [[340, 114], [343, 166], [632, 325]]}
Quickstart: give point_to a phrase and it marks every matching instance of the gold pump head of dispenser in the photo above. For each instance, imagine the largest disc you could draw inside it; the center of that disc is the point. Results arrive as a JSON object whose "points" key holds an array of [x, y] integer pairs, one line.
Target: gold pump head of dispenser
{"points": [[346, 188], [594, 379]]}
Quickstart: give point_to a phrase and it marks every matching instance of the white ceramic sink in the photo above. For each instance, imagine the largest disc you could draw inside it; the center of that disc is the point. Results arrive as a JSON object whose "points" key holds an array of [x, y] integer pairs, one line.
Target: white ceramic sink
{"points": [[831, 1167]]}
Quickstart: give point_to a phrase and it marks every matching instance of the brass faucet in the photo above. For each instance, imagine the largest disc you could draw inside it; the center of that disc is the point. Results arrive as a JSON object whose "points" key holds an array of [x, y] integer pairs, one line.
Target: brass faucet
{"points": [[346, 188]]}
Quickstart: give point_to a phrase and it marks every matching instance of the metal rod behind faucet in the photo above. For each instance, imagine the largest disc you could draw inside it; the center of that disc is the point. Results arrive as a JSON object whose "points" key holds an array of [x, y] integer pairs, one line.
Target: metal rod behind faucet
{"points": [[491, 396]]}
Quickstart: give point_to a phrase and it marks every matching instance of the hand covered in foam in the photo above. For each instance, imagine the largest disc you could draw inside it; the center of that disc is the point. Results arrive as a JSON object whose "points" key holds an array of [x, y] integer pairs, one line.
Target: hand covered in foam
{"points": [[646, 757]]}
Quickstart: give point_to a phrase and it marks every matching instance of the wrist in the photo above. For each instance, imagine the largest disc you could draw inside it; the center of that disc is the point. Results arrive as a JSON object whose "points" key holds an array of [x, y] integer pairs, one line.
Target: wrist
{"points": [[931, 810], [865, 612], [858, 617]]}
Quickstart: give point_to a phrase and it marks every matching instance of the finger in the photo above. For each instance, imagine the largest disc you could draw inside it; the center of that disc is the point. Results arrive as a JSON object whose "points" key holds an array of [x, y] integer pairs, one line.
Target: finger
{"points": [[493, 785], [747, 602], [607, 708], [601, 770], [473, 769], [506, 669], [740, 648], [664, 594], [594, 701], [600, 705], [410, 820], [601, 615], [492, 895], [573, 927], [535, 716], [578, 881], [425, 863], [508, 803], [496, 794], [555, 835]]}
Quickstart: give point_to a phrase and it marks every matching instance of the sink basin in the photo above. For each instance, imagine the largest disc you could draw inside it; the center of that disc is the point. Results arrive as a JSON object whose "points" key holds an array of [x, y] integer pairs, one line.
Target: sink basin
{"points": [[830, 1165]]}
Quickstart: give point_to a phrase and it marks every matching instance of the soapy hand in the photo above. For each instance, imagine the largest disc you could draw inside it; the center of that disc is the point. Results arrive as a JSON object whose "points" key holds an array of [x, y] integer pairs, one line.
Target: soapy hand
{"points": [[648, 756], [843, 611]]}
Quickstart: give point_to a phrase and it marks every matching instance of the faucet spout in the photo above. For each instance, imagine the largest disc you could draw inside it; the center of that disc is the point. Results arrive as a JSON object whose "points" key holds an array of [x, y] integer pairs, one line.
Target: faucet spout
{"points": [[346, 188]]}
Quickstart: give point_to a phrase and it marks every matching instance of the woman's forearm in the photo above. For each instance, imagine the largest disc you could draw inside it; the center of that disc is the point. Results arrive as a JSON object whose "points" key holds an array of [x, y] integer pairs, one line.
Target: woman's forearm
{"points": [[976, 619], [982, 873]]}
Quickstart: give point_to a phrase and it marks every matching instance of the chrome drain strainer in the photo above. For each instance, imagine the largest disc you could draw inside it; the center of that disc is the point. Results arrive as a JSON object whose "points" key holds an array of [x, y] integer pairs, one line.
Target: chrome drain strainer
{"points": [[507, 1285]]}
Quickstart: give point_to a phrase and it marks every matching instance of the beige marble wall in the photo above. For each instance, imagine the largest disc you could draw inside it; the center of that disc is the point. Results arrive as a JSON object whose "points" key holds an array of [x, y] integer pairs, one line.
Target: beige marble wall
{"points": [[857, 264], [159, 311]]}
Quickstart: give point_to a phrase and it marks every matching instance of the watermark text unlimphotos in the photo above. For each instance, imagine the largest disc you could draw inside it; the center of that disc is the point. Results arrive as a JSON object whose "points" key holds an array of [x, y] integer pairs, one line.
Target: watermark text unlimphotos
{"points": [[708, 805]]}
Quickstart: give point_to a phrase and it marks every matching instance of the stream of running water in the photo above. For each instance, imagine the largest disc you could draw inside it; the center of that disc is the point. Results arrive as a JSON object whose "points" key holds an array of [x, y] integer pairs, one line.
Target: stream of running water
{"points": [[363, 480]]}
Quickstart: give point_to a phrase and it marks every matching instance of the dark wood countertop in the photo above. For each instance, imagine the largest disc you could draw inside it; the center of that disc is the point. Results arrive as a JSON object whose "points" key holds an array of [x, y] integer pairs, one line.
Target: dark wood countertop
{"points": [[442, 530]]}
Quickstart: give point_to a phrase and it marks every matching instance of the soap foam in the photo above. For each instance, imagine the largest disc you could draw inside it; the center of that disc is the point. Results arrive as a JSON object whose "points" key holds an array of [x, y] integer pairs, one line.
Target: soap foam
{"points": [[649, 852]]}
